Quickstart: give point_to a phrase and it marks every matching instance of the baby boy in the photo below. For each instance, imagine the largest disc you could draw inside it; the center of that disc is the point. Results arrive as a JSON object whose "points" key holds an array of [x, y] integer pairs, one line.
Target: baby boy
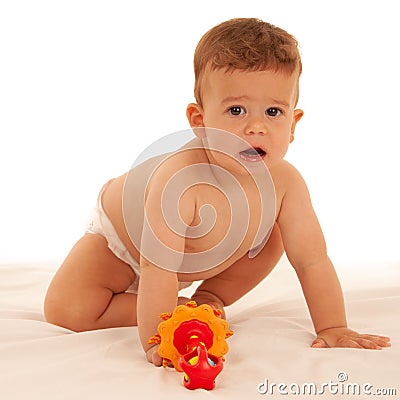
{"points": [[222, 209]]}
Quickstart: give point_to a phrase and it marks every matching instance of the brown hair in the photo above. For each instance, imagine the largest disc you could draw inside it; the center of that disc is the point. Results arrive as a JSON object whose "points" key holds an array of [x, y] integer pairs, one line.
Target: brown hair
{"points": [[247, 44]]}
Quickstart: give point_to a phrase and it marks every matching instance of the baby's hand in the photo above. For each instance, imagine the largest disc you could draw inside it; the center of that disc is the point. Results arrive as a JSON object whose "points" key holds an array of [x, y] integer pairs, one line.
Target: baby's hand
{"points": [[153, 356], [216, 306], [182, 301], [344, 337]]}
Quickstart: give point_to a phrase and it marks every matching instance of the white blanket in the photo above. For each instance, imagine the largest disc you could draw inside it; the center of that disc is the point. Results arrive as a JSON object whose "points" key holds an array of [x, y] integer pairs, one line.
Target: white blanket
{"points": [[269, 354]]}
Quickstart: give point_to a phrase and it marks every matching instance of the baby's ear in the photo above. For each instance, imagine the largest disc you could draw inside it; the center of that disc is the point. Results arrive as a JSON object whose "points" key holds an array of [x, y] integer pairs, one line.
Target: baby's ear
{"points": [[297, 115], [194, 114]]}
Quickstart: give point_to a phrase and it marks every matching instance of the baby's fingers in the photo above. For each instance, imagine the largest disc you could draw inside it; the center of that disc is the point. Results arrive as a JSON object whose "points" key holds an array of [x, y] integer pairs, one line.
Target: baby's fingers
{"points": [[344, 337], [363, 342], [381, 341], [153, 356], [156, 359], [349, 342]]}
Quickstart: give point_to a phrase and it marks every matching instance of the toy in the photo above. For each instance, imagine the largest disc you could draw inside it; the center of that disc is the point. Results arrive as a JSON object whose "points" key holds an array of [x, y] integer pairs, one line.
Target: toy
{"points": [[192, 338]]}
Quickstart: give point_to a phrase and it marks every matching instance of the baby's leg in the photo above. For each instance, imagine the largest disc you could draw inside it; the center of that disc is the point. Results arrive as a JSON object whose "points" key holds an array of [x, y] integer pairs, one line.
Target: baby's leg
{"points": [[88, 291]]}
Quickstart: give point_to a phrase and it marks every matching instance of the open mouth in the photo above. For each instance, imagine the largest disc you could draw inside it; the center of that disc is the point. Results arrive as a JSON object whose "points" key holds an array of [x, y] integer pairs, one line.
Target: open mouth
{"points": [[252, 154]]}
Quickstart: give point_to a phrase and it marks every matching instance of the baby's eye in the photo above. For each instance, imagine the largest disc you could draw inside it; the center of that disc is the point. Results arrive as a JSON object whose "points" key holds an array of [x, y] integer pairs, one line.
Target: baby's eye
{"points": [[236, 110], [273, 112]]}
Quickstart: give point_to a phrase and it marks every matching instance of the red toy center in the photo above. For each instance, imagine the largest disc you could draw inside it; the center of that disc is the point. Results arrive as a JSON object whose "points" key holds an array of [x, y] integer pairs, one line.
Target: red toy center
{"points": [[190, 334]]}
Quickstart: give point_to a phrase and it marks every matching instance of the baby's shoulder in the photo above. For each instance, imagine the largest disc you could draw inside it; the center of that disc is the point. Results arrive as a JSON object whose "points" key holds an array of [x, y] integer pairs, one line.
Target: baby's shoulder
{"points": [[168, 193], [171, 165], [174, 177], [286, 174]]}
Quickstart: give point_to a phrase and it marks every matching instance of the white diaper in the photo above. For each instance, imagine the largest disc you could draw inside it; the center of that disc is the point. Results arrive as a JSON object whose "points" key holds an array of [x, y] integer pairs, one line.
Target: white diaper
{"points": [[100, 224]]}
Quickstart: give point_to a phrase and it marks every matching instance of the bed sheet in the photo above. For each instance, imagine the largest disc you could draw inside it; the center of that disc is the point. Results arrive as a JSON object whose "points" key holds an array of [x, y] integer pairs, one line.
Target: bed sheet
{"points": [[269, 354]]}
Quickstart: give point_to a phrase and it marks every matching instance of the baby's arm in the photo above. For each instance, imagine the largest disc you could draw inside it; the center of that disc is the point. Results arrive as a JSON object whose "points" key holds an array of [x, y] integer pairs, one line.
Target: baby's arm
{"points": [[306, 249], [158, 292], [162, 252]]}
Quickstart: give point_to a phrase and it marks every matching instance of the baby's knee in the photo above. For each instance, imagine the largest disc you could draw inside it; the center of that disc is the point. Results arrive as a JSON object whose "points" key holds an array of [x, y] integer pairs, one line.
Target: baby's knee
{"points": [[58, 312]]}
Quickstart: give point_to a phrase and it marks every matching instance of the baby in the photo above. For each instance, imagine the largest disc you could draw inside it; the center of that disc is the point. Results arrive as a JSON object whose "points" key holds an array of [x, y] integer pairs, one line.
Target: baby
{"points": [[221, 209]]}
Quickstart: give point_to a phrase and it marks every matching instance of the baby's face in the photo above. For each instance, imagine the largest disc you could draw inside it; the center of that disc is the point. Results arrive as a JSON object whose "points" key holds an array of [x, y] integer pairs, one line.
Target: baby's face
{"points": [[257, 107]]}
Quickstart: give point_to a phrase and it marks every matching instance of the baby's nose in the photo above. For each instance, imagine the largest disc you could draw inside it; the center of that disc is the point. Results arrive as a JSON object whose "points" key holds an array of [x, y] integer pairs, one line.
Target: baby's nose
{"points": [[256, 127]]}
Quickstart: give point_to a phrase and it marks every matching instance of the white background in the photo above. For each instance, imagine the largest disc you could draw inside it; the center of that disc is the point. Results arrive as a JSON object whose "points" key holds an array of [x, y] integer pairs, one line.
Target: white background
{"points": [[85, 86]]}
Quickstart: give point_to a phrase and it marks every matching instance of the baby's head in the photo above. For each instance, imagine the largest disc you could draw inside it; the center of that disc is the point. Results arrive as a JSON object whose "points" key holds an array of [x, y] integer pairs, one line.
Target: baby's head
{"points": [[247, 44]]}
